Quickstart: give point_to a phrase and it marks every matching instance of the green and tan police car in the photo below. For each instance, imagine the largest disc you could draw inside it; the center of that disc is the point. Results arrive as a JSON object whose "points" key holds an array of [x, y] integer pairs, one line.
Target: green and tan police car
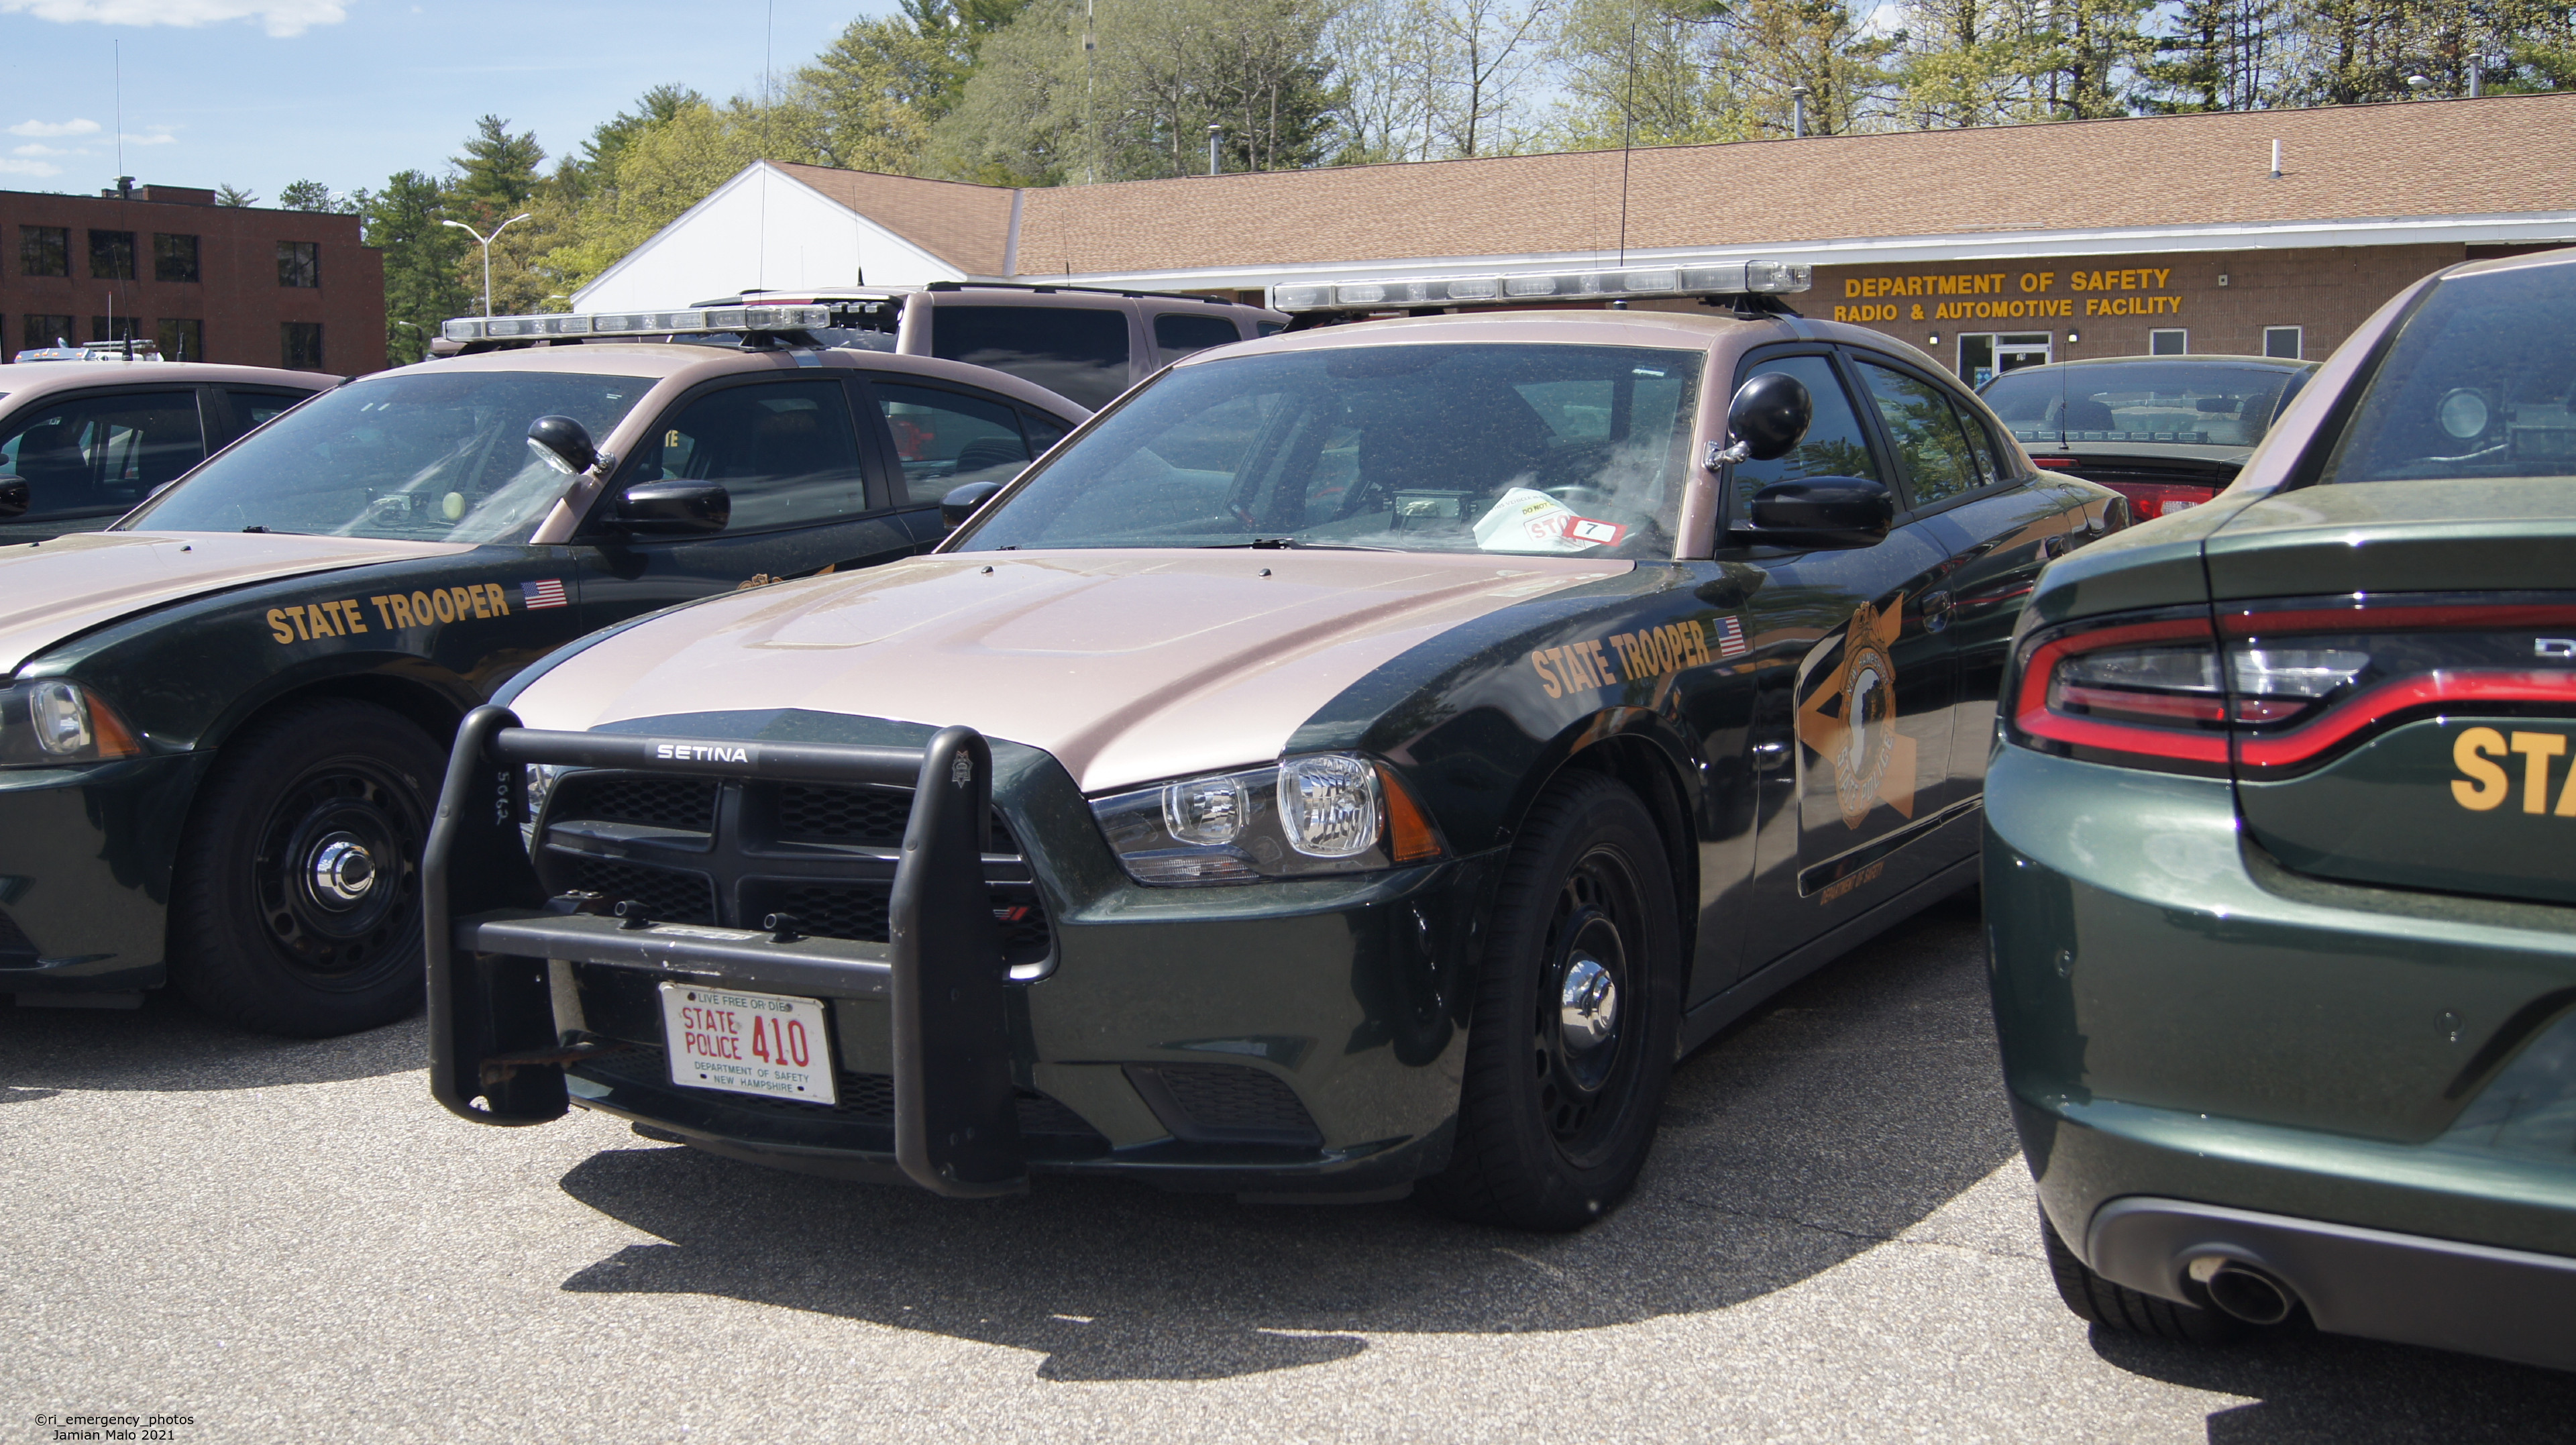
{"points": [[222, 721], [1360, 756], [2280, 864]]}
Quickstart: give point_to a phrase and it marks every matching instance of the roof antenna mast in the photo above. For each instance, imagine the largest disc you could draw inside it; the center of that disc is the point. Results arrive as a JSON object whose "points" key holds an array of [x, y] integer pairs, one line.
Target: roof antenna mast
{"points": [[1627, 132]]}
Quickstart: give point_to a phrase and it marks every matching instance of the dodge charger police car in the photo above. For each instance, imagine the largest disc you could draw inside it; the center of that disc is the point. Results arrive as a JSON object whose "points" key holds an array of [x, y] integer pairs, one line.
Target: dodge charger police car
{"points": [[1360, 757], [224, 719]]}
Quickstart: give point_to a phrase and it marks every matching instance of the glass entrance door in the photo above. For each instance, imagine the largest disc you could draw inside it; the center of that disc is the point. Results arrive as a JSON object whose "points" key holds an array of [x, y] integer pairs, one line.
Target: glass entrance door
{"points": [[1985, 355]]}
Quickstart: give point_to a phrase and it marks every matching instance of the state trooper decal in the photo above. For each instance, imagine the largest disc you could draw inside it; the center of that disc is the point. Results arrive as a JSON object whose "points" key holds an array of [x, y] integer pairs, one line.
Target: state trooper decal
{"points": [[1850, 719]]}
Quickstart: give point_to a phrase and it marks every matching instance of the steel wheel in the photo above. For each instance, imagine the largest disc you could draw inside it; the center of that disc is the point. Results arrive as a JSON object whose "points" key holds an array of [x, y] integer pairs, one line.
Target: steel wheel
{"points": [[1577, 1051]]}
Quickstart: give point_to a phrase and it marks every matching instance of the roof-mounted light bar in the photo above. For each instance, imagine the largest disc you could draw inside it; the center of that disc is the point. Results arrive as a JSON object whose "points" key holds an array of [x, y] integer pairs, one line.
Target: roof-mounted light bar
{"points": [[1678, 278], [694, 319]]}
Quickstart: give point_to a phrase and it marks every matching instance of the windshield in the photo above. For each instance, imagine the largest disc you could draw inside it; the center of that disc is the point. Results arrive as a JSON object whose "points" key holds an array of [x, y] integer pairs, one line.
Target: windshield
{"points": [[1514, 448], [2193, 403], [2478, 384], [419, 456]]}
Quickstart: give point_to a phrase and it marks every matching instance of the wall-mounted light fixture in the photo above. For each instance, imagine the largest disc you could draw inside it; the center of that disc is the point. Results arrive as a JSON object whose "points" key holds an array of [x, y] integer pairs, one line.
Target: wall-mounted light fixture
{"points": [[2072, 338], [1936, 339]]}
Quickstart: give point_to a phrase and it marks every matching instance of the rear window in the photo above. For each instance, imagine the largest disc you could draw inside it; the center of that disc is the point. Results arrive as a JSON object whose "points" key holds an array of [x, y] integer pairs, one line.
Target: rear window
{"points": [[1077, 352], [2190, 403], [2478, 384]]}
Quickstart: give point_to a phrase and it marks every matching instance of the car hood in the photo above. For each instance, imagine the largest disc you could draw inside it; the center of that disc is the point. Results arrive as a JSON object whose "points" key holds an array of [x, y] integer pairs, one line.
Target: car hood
{"points": [[54, 590], [2404, 536], [1126, 666]]}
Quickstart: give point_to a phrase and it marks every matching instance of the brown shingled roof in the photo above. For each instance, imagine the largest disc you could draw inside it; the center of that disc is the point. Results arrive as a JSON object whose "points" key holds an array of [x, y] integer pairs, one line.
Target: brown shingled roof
{"points": [[2500, 154], [968, 226]]}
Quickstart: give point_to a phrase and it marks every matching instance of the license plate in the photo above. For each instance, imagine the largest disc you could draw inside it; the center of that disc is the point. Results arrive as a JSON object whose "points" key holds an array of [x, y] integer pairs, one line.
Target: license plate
{"points": [[748, 1043]]}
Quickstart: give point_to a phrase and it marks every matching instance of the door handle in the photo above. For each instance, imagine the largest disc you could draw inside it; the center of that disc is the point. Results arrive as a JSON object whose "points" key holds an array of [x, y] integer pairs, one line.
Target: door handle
{"points": [[1936, 610]]}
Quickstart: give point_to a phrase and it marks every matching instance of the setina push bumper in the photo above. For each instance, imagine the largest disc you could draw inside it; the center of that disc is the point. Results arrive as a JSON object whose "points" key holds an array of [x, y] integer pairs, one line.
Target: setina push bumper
{"points": [[502, 953]]}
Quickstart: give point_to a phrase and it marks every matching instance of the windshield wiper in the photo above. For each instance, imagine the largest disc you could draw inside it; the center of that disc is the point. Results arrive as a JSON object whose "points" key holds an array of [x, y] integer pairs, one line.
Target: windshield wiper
{"points": [[254, 529], [1299, 544]]}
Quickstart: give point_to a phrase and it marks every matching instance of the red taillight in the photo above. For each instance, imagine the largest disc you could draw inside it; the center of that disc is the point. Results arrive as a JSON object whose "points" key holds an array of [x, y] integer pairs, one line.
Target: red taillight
{"points": [[2140, 691], [2161, 499], [2280, 687], [2054, 464]]}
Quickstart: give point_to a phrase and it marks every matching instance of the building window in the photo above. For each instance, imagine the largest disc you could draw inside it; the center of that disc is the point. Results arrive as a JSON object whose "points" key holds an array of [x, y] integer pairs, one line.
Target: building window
{"points": [[2168, 343], [183, 338], [300, 345], [44, 251], [299, 263], [2284, 341], [42, 331], [111, 255], [115, 328], [174, 258]]}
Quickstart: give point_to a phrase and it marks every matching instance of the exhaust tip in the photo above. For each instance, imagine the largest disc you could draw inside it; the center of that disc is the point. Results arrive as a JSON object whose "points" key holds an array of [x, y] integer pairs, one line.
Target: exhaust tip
{"points": [[2241, 1291]]}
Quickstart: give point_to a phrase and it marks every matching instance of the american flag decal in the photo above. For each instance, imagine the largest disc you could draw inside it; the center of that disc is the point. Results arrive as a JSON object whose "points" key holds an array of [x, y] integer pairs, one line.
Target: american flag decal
{"points": [[550, 593], [1730, 637]]}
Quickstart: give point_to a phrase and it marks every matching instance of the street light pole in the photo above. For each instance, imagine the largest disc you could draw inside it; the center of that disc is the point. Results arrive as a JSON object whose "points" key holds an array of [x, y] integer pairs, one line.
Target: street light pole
{"points": [[487, 252]]}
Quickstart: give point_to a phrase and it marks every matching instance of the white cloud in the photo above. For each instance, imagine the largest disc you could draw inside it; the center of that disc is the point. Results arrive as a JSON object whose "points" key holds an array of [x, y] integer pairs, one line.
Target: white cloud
{"points": [[29, 168], [53, 127], [39, 148], [281, 17], [156, 138]]}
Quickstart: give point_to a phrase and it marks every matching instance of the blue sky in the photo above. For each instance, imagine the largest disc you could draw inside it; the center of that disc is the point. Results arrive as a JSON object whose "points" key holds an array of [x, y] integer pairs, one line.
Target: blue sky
{"points": [[257, 93]]}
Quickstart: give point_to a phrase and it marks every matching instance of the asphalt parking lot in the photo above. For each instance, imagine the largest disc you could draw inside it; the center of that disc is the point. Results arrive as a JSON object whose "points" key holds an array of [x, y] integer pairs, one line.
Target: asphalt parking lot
{"points": [[289, 1241]]}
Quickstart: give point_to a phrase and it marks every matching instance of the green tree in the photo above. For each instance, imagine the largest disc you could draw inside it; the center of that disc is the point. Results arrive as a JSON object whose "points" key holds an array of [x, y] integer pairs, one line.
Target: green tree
{"points": [[313, 196], [1973, 62], [577, 175], [659, 171], [235, 196], [1775, 46], [422, 261], [497, 175], [2216, 56], [1643, 74]]}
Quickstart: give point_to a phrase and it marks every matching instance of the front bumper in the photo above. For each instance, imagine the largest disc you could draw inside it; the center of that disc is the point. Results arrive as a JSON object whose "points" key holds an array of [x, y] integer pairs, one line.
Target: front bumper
{"points": [[85, 859], [1273, 1038], [2181, 1019]]}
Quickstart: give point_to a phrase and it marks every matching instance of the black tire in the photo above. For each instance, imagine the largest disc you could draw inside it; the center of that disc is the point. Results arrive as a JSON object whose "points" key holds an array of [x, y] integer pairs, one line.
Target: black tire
{"points": [[296, 906], [2116, 1306], [1553, 1127]]}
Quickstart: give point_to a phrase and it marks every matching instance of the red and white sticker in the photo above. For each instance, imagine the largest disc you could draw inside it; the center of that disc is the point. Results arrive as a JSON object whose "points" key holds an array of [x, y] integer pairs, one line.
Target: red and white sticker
{"points": [[1585, 529]]}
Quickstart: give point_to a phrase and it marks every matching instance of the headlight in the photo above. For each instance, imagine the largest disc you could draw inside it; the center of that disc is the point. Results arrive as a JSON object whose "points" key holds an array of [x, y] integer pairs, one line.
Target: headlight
{"points": [[1323, 813], [52, 722]]}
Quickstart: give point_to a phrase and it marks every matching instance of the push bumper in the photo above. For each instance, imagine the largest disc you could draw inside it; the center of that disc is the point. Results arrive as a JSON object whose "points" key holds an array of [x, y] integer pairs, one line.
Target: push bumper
{"points": [[1298, 1038], [85, 856], [2510, 1304]]}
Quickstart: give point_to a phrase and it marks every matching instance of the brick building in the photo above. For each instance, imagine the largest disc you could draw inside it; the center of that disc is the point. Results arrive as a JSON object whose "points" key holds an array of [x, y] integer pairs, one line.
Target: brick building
{"points": [[238, 284], [2253, 232]]}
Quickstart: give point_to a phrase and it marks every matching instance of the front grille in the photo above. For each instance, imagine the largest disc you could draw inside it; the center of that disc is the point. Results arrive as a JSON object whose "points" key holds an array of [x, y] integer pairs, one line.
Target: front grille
{"points": [[1225, 1103], [818, 852], [861, 911], [668, 895], [681, 804]]}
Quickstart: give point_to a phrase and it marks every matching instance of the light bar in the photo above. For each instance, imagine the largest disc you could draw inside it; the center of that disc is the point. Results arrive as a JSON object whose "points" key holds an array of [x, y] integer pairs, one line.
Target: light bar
{"points": [[1680, 278], [638, 323]]}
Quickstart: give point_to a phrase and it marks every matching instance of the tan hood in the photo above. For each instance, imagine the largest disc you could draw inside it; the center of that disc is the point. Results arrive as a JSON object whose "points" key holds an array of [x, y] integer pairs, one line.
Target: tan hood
{"points": [[1127, 666], [53, 590]]}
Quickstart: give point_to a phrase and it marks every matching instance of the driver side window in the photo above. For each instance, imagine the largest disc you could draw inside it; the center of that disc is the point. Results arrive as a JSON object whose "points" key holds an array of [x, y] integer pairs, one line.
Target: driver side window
{"points": [[103, 453], [784, 451], [1836, 444]]}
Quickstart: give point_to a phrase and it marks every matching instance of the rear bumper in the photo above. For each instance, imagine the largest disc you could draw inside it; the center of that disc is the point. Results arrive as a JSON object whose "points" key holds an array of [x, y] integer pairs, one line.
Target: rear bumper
{"points": [[85, 858], [2183, 1020], [2510, 1304]]}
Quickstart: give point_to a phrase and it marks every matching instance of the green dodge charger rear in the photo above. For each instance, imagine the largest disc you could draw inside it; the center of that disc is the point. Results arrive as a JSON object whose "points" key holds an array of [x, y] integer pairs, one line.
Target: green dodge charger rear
{"points": [[2280, 861]]}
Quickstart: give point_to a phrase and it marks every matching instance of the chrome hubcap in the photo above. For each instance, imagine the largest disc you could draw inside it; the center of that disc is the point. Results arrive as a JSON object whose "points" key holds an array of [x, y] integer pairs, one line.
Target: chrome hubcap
{"points": [[1588, 1008], [342, 872]]}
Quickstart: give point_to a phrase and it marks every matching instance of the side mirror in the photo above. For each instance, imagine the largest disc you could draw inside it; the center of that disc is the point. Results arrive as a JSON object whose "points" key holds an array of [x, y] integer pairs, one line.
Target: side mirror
{"points": [[563, 444], [1769, 415], [1821, 512], [961, 502], [670, 509], [15, 498]]}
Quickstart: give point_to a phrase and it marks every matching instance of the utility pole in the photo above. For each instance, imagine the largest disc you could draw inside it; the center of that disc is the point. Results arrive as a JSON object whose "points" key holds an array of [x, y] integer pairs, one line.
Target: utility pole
{"points": [[487, 251]]}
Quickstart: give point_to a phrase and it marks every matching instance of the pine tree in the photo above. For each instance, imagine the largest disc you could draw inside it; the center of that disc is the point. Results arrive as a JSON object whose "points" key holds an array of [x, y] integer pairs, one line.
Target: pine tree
{"points": [[235, 196], [313, 196], [498, 172], [422, 260]]}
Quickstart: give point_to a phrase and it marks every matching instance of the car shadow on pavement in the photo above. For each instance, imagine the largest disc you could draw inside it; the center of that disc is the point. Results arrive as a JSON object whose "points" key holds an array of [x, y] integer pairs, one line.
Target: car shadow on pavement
{"points": [[1864, 1099], [2336, 1390], [167, 1046]]}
